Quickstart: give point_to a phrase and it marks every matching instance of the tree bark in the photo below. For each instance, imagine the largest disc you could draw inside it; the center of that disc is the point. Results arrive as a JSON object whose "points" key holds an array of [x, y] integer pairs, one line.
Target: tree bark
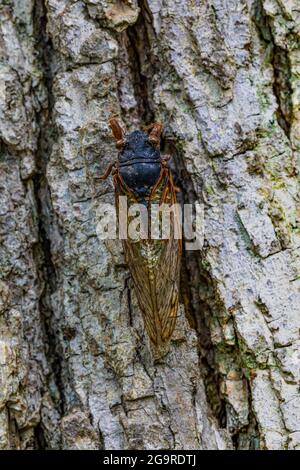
{"points": [[77, 369]]}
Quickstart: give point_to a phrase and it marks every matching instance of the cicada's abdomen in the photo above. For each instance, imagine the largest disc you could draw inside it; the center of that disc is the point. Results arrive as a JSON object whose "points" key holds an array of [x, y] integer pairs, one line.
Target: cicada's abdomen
{"points": [[143, 176]]}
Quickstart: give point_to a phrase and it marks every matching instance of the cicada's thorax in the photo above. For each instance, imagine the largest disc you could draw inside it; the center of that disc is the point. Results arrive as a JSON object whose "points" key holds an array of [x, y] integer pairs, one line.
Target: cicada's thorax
{"points": [[139, 165]]}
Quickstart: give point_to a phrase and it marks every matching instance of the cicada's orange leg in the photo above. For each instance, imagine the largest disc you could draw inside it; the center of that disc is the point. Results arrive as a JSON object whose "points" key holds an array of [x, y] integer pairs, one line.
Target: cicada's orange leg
{"points": [[155, 132], [165, 163], [165, 160], [118, 132], [108, 171]]}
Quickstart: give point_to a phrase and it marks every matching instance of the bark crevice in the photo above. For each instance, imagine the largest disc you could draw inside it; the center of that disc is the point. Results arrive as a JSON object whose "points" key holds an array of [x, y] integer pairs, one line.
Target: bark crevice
{"points": [[280, 61], [46, 222], [140, 62]]}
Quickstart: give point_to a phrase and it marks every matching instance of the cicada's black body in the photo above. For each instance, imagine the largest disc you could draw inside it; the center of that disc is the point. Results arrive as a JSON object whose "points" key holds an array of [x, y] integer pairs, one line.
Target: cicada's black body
{"points": [[139, 164], [143, 175]]}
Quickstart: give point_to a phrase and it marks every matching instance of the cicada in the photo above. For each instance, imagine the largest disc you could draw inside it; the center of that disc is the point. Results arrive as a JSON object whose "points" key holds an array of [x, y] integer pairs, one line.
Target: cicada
{"points": [[143, 175]]}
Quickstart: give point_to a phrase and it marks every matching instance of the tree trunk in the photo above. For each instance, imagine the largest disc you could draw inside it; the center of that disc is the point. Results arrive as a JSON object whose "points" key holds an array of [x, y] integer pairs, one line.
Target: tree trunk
{"points": [[77, 369]]}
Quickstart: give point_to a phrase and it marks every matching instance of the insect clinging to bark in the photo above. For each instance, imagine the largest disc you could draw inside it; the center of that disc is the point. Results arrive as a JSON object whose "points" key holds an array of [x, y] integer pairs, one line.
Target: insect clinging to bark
{"points": [[143, 175]]}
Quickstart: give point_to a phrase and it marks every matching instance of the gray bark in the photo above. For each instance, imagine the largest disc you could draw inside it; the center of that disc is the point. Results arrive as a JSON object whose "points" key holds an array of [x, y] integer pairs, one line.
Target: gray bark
{"points": [[76, 367]]}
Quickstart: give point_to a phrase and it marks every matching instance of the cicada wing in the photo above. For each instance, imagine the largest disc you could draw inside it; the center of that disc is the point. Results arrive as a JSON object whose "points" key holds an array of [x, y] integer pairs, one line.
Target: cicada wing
{"points": [[155, 269]]}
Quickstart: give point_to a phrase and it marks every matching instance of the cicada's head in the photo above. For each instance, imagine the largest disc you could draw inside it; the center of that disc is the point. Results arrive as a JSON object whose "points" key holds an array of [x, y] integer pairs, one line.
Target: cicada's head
{"points": [[139, 158], [138, 148]]}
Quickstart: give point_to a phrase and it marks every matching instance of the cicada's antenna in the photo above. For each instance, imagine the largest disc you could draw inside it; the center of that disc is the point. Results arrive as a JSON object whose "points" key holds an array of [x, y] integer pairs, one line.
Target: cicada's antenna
{"points": [[118, 132]]}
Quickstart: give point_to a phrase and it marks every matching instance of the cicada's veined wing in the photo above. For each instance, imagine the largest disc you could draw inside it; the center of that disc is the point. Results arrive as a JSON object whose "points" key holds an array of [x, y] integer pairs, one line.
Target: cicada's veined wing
{"points": [[155, 266]]}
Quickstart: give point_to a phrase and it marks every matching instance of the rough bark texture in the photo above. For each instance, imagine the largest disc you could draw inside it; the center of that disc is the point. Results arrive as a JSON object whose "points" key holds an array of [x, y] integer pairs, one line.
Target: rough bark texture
{"points": [[76, 367]]}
